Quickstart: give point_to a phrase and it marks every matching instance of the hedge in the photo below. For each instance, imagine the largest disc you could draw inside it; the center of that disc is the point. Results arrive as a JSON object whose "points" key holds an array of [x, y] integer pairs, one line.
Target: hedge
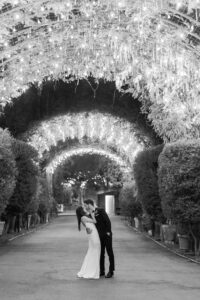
{"points": [[179, 183], [130, 207], [24, 199], [8, 169], [145, 174]]}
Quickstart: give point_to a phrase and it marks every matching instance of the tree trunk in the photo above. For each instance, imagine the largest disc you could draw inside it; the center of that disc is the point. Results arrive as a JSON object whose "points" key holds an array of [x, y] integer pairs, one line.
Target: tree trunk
{"points": [[12, 223], [38, 219], [47, 218], [196, 242], [20, 222], [197, 251], [29, 221]]}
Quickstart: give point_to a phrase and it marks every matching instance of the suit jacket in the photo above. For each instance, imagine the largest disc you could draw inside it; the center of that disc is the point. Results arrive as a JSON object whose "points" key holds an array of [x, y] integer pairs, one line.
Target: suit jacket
{"points": [[103, 224]]}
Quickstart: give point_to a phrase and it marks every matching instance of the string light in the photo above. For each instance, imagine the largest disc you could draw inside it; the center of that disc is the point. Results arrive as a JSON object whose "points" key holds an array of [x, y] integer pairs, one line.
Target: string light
{"points": [[60, 159]]}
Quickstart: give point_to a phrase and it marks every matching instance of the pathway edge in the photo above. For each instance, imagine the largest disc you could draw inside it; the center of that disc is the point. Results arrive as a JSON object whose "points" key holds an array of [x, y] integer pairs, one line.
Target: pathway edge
{"points": [[163, 246]]}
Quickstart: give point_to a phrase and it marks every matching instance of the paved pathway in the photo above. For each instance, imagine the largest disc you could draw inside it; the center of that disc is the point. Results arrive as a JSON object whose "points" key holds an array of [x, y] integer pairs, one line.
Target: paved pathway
{"points": [[43, 265]]}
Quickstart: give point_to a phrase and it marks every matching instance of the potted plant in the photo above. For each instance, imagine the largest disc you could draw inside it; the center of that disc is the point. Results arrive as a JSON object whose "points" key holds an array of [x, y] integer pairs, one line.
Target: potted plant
{"points": [[183, 236], [168, 233], [179, 182]]}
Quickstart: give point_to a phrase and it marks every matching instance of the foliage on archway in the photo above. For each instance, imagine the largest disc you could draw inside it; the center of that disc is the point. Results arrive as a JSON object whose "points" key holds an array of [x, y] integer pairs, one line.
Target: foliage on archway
{"points": [[150, 46]]}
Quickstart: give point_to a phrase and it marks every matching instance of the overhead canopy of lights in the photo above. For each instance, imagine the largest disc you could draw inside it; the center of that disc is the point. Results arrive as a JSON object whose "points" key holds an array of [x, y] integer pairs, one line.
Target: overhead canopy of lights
{"points": [[109, 132], [151, 47]]}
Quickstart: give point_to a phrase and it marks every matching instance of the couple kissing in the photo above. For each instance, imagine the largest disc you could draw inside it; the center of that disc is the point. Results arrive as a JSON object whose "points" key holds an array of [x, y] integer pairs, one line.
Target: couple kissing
{"points": [[98, 228]]}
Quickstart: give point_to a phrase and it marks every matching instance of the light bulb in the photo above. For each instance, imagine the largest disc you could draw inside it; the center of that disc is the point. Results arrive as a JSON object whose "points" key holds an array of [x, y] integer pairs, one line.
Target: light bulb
{"points": [[178, 5], [182, 35], [112, 15], [17, 16]]}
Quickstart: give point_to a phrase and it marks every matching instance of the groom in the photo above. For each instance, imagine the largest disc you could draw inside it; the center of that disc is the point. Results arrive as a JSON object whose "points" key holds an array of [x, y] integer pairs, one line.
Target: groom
{"points": [[103, 226]]}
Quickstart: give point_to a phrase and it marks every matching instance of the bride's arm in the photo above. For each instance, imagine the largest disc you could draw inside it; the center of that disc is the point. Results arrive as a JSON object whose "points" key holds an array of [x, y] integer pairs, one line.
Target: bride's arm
{"points": [[85, 219]]}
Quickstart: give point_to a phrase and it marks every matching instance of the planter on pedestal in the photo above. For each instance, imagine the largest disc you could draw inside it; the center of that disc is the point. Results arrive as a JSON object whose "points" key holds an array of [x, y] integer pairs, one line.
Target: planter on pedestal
{"points": [[137, 223], [183, 242], [168, 233], [157, 231]]}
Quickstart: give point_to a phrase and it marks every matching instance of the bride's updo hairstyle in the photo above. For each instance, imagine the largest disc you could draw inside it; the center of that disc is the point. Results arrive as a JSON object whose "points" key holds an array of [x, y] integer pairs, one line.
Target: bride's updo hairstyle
{"points": [[80, 213]]}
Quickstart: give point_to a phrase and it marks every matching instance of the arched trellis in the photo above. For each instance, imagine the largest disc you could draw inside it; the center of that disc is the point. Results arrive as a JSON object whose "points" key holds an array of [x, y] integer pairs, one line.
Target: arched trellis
{"points": [[152, 46], [65, 155], [103, 129], [61, 158]]}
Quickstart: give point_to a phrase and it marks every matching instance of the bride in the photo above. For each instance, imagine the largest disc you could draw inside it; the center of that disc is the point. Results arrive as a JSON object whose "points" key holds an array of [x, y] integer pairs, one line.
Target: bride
{"points": [[90, 268]]}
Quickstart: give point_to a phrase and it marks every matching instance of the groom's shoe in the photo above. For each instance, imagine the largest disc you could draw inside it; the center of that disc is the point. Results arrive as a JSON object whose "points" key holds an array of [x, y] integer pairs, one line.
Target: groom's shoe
{"points": [[102, 274], [109, 275]]}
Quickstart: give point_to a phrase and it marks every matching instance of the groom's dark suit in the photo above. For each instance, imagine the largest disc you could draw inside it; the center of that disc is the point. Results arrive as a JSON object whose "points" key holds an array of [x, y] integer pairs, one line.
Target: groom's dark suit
{"points": [[103, 226]]}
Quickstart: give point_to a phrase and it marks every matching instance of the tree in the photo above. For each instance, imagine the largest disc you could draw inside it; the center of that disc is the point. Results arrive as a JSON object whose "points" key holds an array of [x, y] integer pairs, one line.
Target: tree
{"points": [[90, 171], [145, 174], [8, 170], [130, 207], [44, 198], [23, 199]]}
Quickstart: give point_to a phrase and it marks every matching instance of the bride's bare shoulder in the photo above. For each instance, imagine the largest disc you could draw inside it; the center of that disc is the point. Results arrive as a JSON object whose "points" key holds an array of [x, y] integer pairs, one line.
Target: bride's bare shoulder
{"points": [[85, 218]]}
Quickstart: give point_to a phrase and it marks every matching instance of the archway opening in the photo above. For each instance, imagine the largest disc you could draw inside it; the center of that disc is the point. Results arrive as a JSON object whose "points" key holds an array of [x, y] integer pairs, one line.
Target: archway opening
{"points": [[86, 173]]}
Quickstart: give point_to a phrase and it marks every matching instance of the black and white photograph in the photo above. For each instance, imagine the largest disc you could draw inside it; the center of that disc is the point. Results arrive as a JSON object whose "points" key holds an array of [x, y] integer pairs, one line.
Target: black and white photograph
{"points": [[99, 149]]}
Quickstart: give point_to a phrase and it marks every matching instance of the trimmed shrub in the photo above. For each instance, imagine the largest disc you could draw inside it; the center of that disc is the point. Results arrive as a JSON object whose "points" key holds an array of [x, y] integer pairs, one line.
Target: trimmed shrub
{"points": [[130, 207], [23, 199], [8, 169], [45, 200], [179, 185], [145, 174]]}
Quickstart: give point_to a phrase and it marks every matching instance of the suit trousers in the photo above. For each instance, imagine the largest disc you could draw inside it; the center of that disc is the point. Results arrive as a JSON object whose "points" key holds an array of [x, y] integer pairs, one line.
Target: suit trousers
{"points": [[106, 243]]}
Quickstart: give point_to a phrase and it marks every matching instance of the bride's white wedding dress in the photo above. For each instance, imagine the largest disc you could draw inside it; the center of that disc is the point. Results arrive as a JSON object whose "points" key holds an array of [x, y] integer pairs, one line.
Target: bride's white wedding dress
{"points": [[90, 268]]}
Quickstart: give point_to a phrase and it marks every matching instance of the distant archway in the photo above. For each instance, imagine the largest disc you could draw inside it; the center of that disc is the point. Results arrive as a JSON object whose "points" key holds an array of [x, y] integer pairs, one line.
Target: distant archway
{"points": [[105, 130]]}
